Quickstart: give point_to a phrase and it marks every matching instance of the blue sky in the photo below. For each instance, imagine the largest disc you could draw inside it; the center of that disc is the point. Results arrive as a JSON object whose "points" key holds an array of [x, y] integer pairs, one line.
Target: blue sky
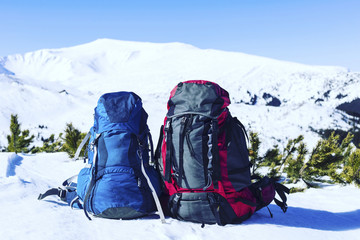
{"points": [[321, 32]]}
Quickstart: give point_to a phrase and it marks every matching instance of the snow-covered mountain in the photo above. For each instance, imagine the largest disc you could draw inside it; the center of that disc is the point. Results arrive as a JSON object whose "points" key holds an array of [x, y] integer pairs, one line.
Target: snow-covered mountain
{"points": [[278, 99]]}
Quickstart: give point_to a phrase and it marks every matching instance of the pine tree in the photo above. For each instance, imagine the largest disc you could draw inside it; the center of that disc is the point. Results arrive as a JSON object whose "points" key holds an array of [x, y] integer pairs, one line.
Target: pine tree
{"points": [[357, 175], [18, 141], [255, 159], [49, 145], [351, 169], [291, 149], [272, 160], [327, 159], [73, 138], [293, 167], [285, 161]]}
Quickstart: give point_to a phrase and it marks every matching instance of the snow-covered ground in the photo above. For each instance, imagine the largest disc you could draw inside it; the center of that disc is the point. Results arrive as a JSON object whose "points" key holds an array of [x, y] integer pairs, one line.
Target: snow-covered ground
{"points": [[332, 212]]}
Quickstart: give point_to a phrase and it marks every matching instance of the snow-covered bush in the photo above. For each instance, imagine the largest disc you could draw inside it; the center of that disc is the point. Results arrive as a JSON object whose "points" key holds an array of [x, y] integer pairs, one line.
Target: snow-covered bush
{"points": [[333, 160]]}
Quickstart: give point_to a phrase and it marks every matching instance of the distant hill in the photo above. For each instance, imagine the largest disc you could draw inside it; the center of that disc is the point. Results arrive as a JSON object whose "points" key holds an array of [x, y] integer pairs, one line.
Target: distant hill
{"points": [[278, 99]]}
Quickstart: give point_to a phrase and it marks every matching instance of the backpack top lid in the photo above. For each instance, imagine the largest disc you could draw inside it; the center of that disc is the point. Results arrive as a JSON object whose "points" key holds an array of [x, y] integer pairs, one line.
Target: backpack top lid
{"points": [[198, 96], [120, 110]]}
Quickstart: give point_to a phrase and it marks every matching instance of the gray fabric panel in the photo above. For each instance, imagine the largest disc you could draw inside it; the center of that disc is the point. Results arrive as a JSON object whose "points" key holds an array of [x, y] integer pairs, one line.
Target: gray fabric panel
{"points": [[176, 143], [194, 176], [194, 167], [121, 213], [195, 207], [192, 97]]}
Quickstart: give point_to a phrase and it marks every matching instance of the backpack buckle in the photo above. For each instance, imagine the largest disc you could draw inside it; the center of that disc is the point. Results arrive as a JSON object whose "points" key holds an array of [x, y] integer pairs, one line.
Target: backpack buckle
{"points": [[139, 153], [62, 193], [167, 126]]}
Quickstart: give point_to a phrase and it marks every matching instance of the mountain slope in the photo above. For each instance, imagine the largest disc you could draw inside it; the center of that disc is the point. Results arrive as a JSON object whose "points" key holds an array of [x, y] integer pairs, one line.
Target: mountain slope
{"points": [[276, 98]]}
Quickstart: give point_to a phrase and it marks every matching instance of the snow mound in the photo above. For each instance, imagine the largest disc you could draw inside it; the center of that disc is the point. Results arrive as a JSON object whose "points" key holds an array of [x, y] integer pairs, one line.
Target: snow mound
{"points": [[13, 161]]}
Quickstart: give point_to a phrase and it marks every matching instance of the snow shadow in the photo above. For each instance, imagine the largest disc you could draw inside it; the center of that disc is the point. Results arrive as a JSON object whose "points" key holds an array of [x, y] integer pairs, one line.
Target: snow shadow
{"points": [[62, 204], [313, 219], [13, 161]]}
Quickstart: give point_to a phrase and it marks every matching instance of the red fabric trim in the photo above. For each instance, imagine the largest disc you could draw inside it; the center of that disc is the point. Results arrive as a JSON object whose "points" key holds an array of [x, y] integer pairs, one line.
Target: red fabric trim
{"points": [[172, 93], [241, 208], [228, 187]]}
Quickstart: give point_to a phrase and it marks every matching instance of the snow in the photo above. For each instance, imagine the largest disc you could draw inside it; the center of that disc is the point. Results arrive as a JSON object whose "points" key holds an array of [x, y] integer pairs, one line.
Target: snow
{"points": [[51, 87], [332, 212]]}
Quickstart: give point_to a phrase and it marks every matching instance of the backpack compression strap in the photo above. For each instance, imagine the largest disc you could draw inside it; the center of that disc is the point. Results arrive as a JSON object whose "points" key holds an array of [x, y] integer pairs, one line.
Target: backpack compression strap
{"points": [[213, 155], [61, 193], [67, 193], [281, 190], [169, 149], [158, 148], [156, 199]]}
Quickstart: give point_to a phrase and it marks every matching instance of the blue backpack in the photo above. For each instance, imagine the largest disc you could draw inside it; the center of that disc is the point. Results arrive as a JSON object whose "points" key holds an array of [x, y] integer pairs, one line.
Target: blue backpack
{"points": [[120, 180]]}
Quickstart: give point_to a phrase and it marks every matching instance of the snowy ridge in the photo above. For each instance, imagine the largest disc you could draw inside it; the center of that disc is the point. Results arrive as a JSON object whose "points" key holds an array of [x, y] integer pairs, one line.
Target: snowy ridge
{"points": [[278, 99]]}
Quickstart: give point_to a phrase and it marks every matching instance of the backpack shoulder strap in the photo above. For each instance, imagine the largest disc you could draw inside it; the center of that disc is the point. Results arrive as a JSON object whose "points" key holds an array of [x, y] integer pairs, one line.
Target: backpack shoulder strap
{"points": [[169, 150], [237, 121], [158, 146], [152, 189], [93, 177]]}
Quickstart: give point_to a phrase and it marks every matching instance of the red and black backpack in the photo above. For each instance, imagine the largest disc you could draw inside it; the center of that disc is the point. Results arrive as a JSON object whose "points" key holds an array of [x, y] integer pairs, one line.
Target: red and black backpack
{"points": [[203, 158]]}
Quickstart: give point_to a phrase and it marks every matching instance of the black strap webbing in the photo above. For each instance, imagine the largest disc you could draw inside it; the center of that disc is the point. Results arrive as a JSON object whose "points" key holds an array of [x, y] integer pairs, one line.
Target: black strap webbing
{"points": [[152, 156], [181, 150], [168, 161], [223, 212], [215, 152], [54, 191], [174, 203], [68, 181], [281, 190], [215, 208], [158, 147]]}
